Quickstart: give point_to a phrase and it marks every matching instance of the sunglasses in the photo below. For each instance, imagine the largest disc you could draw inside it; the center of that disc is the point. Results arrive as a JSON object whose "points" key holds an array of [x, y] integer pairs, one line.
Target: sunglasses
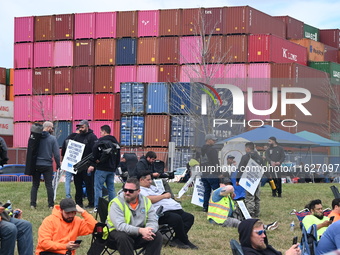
{"points": [[260, 232], [129, 190]]}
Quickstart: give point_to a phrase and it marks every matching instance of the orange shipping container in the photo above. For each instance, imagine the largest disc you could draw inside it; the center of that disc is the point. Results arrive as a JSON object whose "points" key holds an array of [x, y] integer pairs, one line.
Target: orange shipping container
{"points": [[315, 50], [11, 76], [162, 153], [105, 52], [147, 50], [10, 93], [157, 130]]}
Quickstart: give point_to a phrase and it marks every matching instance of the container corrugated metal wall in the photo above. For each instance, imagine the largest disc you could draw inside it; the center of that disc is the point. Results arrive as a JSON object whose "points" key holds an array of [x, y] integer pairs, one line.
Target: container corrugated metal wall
{"points": [[213, 20], [315, 50], [116, 130], [21, 134], [148, 23], [189, 72], [62, 130], [157, 98], [332, 68], [294, 27], [105, 52], [147, 50], [63, 53], [6, 127], [106, 107], [170, 21], [83, 53], [214, 46], [124, 74], [311, 32], [23, 55], [331, 54], [260, 101], [106, 24], [180, 98], [62, 107], [63, 80], [237, 75], [168, 73], [44, 28], [43, 54], [182, 157], [127, 24], [42, 108], [190, 49], [147, 73], [125, 130], [132, 130], [157, 130], [236, 47], [23, 29], [104, 79], [83, 107], [168, 50], [132, 98], [191, 18], [95, 126], [259, 77], [43, 81], [330, 37], [23, 82], [85, 25], [335, 150], [83, 79], [64, 27], [126, 53], [6, 109]]}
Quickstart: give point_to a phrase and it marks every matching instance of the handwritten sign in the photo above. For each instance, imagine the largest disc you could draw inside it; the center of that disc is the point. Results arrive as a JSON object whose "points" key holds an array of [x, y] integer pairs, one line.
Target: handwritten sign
{"points": [[73, 154]]}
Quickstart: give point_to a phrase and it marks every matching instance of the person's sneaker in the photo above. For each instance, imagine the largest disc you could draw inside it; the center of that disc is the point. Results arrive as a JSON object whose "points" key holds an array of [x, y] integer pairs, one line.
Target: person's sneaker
{"points": [[95, 209], [33, 207], [272, 226], [50, 207], [192, 246], [177, 243]]}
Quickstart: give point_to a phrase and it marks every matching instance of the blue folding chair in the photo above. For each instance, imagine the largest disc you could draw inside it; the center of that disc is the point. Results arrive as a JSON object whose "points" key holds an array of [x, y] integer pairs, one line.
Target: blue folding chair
{"points": [[309, 240], [236, 247]]}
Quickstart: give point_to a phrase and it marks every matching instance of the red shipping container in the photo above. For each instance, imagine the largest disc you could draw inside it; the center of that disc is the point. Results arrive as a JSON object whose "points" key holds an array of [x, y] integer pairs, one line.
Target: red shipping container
{"points": [[2, 75], [106, 24], [124, 74], [213, 20], [148, 23], [294, 27], [85, 25], [168, 73], [21, 134], [170, 21], [190, 49], [42, 108], [247, 20], [23, 109], [104, 79], [83, 78], [157, 130], [63, 80], [82, 107], [115, 130], [63, 53], [191, 20], [23, 29], [271, 48], [330, 37], [62, 107], [44, 28], [84, 53], [23, 82], [331, 54], [43, 81], [168, 50], [147, 51], [23, 55], [127, 24], [64, 27], [147, 73], [236, 48], [106, 107], [105, 52], [43, 54]]}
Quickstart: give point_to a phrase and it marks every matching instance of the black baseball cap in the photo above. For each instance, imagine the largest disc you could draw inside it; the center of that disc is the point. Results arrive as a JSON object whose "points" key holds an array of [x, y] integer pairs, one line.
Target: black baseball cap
{"points": [[68, 205]]}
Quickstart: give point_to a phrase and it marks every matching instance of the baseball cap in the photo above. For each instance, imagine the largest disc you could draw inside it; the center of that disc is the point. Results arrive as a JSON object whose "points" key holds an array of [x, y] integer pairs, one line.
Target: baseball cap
{"points": [[211, 137], [226, 181], [83, 122], [68, 205], [230, 156], [273, 138]]}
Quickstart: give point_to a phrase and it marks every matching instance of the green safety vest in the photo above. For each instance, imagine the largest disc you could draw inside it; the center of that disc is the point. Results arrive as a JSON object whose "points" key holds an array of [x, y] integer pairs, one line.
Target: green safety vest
{"points": [[219, 211]]}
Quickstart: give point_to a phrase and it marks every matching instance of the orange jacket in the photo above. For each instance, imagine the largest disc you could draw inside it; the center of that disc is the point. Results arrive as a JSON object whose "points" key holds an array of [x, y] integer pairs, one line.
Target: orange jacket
{"points": [[54, 233]]}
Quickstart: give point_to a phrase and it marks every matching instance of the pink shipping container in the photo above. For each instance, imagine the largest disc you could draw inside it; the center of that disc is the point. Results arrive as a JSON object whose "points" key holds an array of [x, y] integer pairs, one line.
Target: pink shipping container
{"points": [[23, 82], [84, 25], [23, 55], [148, 23], [62, 107], [236, 74], [124, 74], [259, 77], [43, 54], [260, 101], [147, 74], [23, 108], [106, 24], [83, 106], [42, 108], [189, 72], [331, 54], [190, 49], [63, 53], [271, 48], [216, 71], [95, 126], [330, 37], [21, 134], [23, 29]]}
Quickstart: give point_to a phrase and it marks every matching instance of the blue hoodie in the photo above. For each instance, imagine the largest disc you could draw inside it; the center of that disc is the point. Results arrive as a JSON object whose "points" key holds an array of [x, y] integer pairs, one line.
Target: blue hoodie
{"points": [[48, 147]]}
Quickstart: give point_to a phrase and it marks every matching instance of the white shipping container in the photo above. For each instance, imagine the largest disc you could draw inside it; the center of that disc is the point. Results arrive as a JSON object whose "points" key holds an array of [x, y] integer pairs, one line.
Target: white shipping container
{"points": [[6, 109], [6, 126], [2, 92]]}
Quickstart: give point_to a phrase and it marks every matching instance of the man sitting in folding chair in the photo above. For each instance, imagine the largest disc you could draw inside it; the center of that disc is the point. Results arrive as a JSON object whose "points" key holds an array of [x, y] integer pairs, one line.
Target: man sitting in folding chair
{"points": [[132, 223], [173, 214]]}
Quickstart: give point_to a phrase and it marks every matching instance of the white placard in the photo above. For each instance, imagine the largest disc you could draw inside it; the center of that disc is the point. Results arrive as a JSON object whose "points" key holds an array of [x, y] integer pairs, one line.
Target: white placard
{"points": [[198, 194], [159, 185], [73, 155], [243, 209], [251, 176]]}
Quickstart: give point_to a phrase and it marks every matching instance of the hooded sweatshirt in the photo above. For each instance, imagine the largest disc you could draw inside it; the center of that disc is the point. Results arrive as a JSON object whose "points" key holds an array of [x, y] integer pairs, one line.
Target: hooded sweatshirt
{"points": [[245, 229], [54, 233], [89, 138], [48, 147]]}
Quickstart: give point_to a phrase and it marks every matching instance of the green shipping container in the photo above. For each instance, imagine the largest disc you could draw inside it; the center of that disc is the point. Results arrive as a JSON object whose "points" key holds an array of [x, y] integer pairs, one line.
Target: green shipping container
{"points": [[329, 67], [7, 76], [335, 151], [310, 32]]}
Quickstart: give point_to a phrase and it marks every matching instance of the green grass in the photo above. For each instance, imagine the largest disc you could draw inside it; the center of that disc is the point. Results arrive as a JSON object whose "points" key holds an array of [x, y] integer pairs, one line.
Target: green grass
{"points": [[212, 240]]}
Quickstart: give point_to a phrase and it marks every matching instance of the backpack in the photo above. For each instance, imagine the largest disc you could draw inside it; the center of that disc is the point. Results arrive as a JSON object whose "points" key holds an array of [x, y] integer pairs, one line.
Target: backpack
{"points": [[33, 148], [108, 150]]}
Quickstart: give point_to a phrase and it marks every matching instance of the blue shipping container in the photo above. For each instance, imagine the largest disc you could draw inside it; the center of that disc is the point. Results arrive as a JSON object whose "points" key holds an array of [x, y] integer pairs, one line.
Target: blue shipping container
{"points": [[126, 51], [132, 130], [132, 98], [157, 97], [180, 98], [182, 131], [62, 130]]}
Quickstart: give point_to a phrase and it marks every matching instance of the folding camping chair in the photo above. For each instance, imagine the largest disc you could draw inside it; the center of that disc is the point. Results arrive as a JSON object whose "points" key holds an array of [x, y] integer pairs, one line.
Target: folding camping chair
{"points": [[335, 191], [166, 231], [309, 240], [301, 214], [236, 247]]}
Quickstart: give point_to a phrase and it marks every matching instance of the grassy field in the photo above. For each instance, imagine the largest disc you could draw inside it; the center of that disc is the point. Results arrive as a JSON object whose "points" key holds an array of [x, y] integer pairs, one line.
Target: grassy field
{"points": [[212, 240]]}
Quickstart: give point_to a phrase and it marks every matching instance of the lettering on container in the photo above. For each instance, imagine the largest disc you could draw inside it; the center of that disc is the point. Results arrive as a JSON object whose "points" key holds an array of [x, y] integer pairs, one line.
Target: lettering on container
{"points": [[289, 55], [309, 35], [207, 12], [58, 19], [3, 126], [57, 72], [37, 73], [336, 74], [4, 109]]}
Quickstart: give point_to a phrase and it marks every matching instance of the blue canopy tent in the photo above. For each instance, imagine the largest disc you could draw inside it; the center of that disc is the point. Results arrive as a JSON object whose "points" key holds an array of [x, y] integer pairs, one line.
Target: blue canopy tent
{"points": [[317, 139]]}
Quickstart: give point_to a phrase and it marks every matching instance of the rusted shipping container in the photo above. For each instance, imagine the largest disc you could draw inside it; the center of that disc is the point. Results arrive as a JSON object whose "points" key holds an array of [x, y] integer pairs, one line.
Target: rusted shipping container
{"points": [[168, 73], [212, 18], [157, 130], [2, 75], [104, 79], [83, 79], [64, 27], [24, 29], [235, 49], [191, 21], [83, 53], [43, 81], [105, 52], [127, 24], [247, 20], [44, 28], [315, 50], [147, 50], [23, 55], [331, 54], [330, 37], [271, 48], [23, 82], [168, 50], [63, 80], [106, 24], [85, 25], [294, 27], [148, 23], [170, 21], [43, 54], [106, 107]]}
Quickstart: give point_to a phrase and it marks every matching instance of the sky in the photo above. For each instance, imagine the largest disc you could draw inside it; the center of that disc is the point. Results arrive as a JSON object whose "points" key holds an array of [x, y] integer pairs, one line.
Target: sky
{"points": [[321, 14]]}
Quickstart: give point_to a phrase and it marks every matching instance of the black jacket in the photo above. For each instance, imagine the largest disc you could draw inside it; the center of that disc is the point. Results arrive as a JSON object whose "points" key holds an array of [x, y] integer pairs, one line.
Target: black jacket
{"points": [[245, 159], [209, 158], [142, 166], [88, 139], [65, 143]]}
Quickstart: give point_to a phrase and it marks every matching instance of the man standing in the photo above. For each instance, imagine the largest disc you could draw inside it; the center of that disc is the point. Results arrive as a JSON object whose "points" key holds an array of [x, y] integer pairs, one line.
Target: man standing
{"points": [[57, 233], [132, 222], [275, 155], [48, 148], [208, 166], [173, 214], [106, 157], [87, 137]]}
